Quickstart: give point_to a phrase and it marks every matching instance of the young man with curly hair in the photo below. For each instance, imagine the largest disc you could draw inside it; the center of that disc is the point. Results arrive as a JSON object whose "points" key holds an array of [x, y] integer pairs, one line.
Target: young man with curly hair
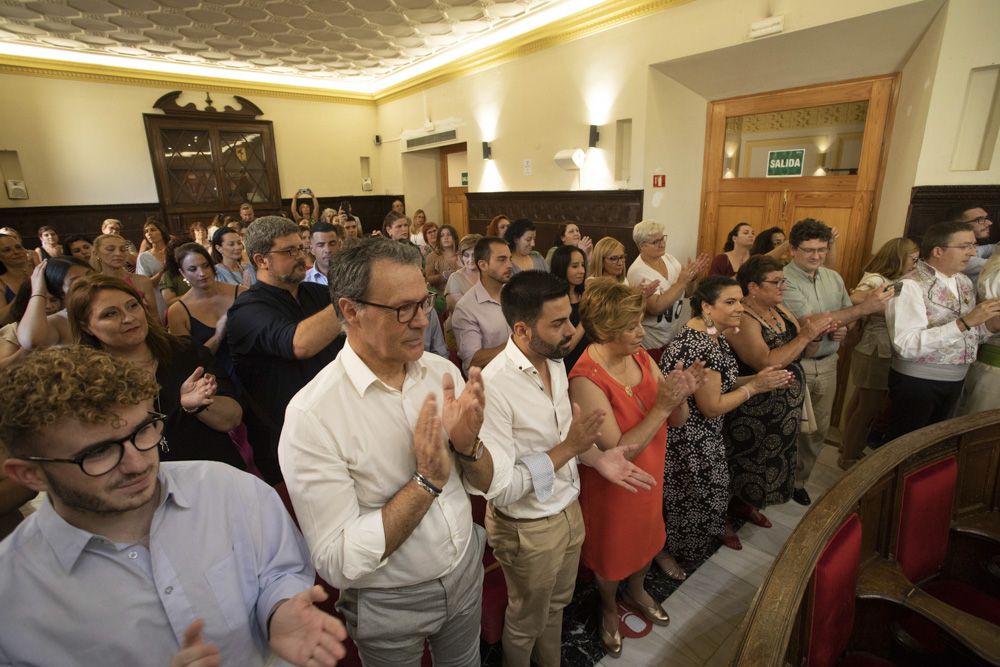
{"points": [[133, 562]]}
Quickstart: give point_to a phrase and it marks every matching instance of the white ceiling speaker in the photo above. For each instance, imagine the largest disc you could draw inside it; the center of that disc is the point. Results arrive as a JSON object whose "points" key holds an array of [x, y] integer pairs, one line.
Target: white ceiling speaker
{"points": [[570, 159], [16, 189]]}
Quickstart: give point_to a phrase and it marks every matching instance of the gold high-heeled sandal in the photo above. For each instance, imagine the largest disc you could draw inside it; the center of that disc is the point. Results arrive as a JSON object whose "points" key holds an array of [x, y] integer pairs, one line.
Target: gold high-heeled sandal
{"points": [[654, 614]]}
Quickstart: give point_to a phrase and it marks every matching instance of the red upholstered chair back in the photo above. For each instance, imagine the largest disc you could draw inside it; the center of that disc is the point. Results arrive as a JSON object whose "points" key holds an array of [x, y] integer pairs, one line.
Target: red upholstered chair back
{"points": [[925, 518], [834, 582]]}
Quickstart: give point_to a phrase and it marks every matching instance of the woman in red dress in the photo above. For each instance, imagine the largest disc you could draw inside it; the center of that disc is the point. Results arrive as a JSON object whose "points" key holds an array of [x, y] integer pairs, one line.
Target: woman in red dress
{"points": [[624, 530]]}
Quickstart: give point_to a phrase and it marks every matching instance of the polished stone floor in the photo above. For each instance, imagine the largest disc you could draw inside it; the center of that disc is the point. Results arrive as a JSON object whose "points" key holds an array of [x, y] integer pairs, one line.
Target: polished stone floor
{"points": [[706, 610]]}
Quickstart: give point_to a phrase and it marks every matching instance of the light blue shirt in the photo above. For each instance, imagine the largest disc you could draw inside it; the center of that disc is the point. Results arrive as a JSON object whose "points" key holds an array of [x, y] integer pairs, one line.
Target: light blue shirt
{"points": [[808, 295], [222, 548], [314, 275]]}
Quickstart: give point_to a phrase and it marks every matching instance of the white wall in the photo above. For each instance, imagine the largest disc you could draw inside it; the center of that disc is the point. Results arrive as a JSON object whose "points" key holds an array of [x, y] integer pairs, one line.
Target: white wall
{"points": [[83, 142], [540, 103], [970, 40], [907, 137]]}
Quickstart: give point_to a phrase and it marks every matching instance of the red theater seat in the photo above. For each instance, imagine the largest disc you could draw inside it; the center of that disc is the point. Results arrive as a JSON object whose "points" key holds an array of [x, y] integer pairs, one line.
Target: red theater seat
{"points": [[834, 582], [922, 546]]}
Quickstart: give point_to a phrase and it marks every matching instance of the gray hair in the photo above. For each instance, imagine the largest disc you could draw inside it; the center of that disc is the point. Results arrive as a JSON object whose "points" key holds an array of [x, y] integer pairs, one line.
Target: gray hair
{"points": [[351, 269], [647, 231], [262, 232]]}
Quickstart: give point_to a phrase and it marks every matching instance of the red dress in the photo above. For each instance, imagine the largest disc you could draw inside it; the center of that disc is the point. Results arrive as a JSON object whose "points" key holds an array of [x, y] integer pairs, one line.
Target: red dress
{"points": [[624, 530]]}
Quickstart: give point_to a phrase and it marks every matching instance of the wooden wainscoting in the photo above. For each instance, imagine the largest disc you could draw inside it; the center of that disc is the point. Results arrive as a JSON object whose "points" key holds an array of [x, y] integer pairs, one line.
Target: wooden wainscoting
{"points": [[69, 220], [598, 213], [86, 220], [928, 204]]}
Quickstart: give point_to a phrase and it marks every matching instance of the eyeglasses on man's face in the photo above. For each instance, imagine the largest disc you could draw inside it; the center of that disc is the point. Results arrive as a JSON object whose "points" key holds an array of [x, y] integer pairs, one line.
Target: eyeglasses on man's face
{"points": [[963, 246], [103, 457], [406, 312], [813, 251], [292, 252]]}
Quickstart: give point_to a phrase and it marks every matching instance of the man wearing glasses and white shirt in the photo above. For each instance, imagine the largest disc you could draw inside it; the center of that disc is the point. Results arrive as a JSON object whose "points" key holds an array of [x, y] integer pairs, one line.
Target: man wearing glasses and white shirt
{"points": [[282, 332], [367, 454], [936, 328]]}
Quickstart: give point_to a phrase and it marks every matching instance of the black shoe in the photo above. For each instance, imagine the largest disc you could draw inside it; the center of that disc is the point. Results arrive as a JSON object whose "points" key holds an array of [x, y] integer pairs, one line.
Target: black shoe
{"points": [[801, 496]]}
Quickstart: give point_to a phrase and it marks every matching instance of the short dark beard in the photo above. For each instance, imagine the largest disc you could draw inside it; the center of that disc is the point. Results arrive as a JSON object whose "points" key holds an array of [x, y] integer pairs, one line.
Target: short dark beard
{"points": [[553, 352], [86, 502]]}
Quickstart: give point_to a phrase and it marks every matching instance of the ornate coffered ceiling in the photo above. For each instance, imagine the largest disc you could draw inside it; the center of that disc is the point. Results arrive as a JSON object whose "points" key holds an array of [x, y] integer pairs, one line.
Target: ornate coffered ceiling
{"points": [[354, 46]]}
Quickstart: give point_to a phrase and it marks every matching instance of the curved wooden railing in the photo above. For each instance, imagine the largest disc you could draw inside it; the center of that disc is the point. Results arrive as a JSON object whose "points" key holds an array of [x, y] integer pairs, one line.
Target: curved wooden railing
{"points": [[775, 629]]}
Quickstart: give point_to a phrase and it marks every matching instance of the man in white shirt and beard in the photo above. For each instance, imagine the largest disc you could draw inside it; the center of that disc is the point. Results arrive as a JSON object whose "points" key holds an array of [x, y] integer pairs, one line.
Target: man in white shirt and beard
{"points": [[527, 468]]}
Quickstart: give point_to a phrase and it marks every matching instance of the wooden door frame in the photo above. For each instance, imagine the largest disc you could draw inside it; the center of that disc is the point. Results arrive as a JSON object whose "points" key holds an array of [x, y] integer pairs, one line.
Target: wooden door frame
{"points": [[881, 93], [443, 153]]}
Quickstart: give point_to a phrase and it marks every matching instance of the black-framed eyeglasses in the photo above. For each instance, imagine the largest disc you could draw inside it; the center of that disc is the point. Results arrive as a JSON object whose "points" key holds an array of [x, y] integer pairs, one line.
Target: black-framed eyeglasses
{"points": [[292, 253], [777, 282], [102, 458], [407, 311], [978, 219]]}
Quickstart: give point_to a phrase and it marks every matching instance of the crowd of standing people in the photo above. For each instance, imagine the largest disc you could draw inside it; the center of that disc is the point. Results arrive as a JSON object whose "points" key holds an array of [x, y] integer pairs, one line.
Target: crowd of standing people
{"points": [[611, 414]]}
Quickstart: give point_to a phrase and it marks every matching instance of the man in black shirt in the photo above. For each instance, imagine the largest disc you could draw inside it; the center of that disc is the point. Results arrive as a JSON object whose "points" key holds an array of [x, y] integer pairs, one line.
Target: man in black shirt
{"points": [[282, 332]]}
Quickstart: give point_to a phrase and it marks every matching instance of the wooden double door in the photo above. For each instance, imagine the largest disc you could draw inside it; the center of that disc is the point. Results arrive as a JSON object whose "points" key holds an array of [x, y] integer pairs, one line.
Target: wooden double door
{"points": [[843, 198]]}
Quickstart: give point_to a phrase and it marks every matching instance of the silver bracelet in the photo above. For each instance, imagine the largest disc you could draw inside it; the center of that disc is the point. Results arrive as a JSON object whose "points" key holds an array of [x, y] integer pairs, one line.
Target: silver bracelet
{"points": [[425, 484]]}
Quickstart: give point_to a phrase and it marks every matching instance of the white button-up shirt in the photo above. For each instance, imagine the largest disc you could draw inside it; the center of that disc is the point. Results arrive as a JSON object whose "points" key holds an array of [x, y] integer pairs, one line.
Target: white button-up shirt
{"points": [[346, 449], [521, 424]]}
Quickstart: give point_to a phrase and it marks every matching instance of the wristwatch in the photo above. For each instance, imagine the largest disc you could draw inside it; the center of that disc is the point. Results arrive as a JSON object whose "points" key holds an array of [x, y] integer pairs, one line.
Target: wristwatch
{"points": [[477, 451]]}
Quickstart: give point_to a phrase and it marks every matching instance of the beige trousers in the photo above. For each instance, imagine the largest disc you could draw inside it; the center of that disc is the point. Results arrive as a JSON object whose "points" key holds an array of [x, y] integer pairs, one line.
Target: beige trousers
{"points": [[821, 378], [539, 558]]}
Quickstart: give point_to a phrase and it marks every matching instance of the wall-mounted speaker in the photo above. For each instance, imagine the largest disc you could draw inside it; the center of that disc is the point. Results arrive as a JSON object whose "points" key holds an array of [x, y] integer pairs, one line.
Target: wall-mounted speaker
{"points": [[16, 189], [378, 140]]}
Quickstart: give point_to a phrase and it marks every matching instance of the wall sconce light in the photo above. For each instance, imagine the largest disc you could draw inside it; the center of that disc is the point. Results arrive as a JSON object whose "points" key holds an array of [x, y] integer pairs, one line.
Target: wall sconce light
{"points": [[595, 136], [487, 151], [821, 159], [570, 159]]}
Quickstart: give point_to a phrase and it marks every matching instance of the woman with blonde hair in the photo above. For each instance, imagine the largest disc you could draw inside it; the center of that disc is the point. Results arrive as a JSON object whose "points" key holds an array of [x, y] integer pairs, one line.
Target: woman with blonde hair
{"points": [[110, 254], [607, 260], [467, 275], [625, 531], [872, 355]]}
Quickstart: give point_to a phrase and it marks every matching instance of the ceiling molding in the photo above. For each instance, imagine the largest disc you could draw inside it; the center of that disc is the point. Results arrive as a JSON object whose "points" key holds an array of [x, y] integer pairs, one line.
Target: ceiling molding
{"points": [[52, 69], [602, 17]]}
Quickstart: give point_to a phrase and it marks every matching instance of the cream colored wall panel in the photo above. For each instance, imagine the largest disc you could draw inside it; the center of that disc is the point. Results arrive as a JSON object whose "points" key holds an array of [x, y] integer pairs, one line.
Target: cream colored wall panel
{"points": [[83, 142], [969, 42], [907, 138]]}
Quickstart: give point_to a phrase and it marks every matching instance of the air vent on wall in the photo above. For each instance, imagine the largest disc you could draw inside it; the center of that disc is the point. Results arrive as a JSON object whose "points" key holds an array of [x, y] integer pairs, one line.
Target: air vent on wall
{"points": [[437, 138]]}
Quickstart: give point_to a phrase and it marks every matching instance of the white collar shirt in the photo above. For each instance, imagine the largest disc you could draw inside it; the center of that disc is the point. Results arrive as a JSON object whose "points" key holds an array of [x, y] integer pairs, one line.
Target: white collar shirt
{"points": [[521, 424], [346, 449]]}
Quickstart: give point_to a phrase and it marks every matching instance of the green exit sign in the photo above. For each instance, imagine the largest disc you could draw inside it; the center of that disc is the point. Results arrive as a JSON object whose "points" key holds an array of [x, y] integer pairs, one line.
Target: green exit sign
{"points": [[785, 163]]}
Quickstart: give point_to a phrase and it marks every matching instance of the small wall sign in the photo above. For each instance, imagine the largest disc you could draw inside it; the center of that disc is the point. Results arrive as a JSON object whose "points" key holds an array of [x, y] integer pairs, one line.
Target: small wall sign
{"points": [[785, 163]]}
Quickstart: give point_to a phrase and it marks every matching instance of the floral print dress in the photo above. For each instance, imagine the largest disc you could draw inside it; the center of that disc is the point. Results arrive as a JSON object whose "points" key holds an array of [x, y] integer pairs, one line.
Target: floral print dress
{"points": [[696, 475]]}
